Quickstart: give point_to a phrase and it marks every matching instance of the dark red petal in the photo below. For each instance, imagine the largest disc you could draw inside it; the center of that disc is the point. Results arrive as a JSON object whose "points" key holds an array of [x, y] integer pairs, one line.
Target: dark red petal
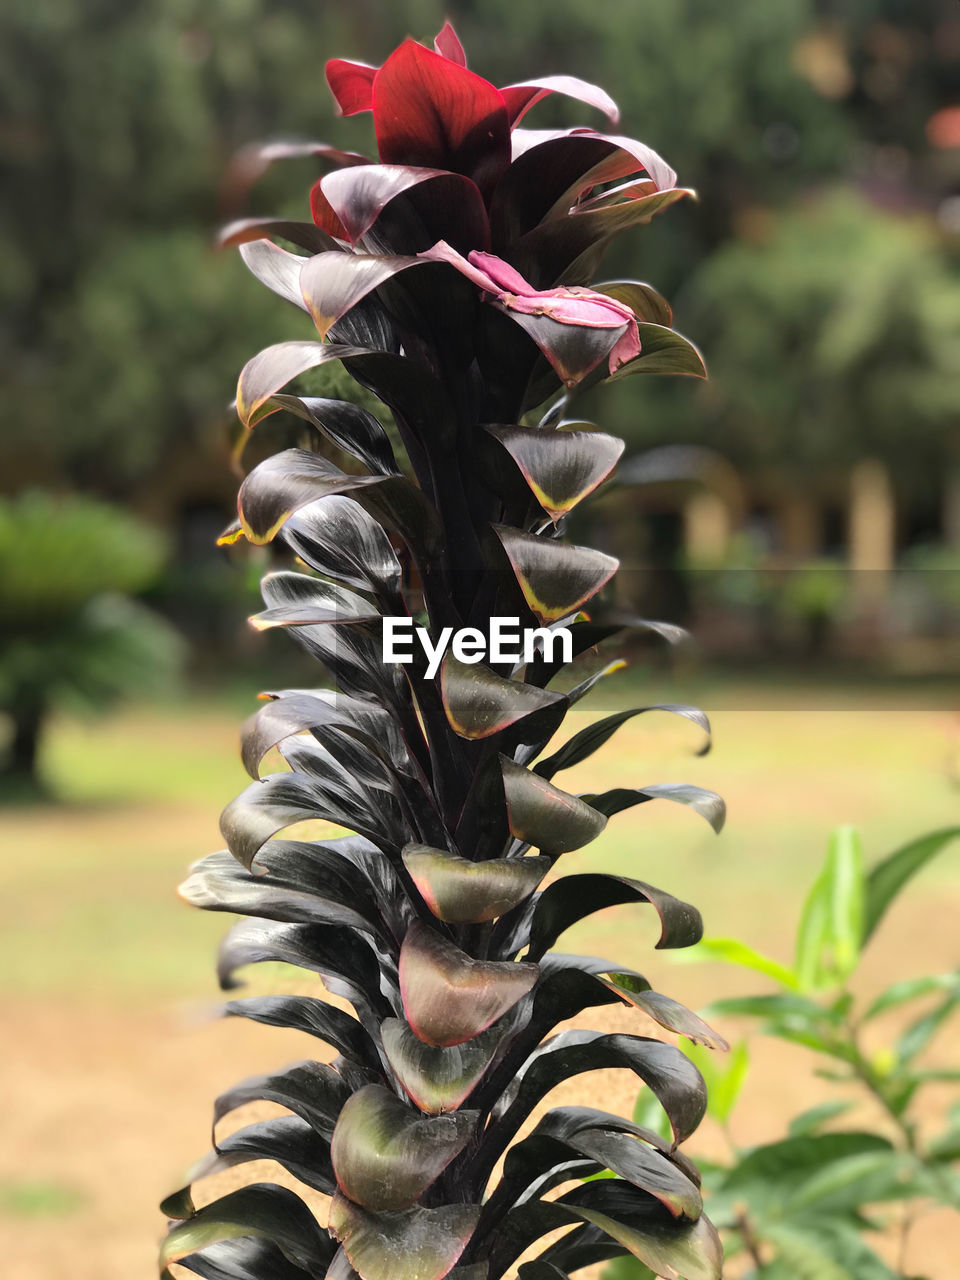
{"points": [[351, 84], [448, 45], [432, 112]]}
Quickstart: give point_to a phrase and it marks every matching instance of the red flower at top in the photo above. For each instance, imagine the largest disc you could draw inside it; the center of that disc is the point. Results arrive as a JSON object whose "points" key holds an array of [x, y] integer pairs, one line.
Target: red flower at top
{"points": [[430, 111]]}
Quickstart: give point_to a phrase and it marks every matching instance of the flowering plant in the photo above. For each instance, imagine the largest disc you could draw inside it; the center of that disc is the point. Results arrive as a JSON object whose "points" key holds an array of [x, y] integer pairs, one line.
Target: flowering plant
{"points": [[452, 279]]}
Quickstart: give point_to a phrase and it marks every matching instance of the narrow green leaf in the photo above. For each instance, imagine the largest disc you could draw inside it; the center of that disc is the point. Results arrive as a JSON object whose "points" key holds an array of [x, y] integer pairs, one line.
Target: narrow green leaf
{"points": [[846, 890], [887, 878], [732, 951]]}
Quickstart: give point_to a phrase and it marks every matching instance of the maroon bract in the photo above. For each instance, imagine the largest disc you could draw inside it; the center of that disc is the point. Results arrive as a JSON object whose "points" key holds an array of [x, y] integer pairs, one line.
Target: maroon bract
{"points": [[453, 279]]}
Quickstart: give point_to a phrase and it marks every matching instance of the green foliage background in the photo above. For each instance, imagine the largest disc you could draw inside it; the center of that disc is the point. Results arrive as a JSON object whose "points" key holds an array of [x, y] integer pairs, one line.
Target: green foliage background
{"points": [[828, 330]]}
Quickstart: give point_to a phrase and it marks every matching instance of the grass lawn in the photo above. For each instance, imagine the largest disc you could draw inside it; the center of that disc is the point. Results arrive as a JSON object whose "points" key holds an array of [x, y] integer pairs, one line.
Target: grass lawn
{"points": [[102, 970]]}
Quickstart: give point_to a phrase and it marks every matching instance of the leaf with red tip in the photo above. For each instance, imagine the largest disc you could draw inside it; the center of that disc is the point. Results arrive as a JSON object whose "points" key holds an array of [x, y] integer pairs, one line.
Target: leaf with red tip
{"points": [[555, 578], [426, 204], [542, 815], [414, 1244], [459, 891], [448, 996], [480, 704], [430, 111], [561, 467], [333, 283], [447, 44], [351, 84], [437, 1079], [521, 97], [385, 1154]]}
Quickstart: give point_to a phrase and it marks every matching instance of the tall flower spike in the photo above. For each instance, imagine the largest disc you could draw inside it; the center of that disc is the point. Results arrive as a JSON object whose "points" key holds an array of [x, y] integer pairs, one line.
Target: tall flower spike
{"points": [[454, 281]]}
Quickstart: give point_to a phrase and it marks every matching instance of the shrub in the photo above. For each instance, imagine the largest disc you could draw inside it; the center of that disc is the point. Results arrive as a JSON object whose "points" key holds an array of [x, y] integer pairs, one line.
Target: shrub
{"points": [[451, 280], [73, 638]]}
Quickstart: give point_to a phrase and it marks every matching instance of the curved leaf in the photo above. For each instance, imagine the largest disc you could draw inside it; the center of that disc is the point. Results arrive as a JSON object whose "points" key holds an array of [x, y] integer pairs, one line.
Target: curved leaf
{"points": [[313, 1017], [415, 1244], [275, 366], [545, 817], [571, 898], [437, 1079], [459, 891], [448, 996], [676, 1251], [426, 204], [284, 483], [642, 299], [338, 538], [288, 1140], [303, 234], [480, 704], [261, 1210], [588, 740], [333, 283], [555, 578], [313, 1091], [663, 350], [385, 1154], [888, 877], [312, 602], [708, 804], [521, 97], [561, 467], [245, 1258], [350, 427], [274, 267]]}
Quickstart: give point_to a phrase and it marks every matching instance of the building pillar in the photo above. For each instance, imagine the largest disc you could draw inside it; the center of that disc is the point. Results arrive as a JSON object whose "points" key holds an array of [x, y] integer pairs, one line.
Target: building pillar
{"points": [[707, 526], [871, 542]]}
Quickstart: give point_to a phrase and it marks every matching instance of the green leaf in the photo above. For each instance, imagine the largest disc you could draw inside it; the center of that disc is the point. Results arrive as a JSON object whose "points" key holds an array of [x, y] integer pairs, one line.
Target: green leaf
{"points": [[846, 889], [919, 1034], [909, 989], [810, 1121], [887, 878], [725, 1077], [732, 951], [812, 934]]}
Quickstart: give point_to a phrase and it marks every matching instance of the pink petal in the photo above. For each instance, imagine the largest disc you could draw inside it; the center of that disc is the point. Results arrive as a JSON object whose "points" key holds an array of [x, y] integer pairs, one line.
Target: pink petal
{"points": [[443, 252], [448, 45], [626, 349], [501, 273]]}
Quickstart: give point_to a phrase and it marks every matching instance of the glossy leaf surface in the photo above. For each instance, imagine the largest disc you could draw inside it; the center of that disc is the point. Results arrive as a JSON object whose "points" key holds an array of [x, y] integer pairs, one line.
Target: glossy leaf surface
{"points": [[556, 579], [448, 996], [542, 815], [463, 892], [418, 1244]]}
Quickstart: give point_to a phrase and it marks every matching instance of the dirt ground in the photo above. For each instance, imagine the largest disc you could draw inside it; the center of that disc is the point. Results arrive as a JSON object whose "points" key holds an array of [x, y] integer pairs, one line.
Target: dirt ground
{"points": [[112, 1055]]}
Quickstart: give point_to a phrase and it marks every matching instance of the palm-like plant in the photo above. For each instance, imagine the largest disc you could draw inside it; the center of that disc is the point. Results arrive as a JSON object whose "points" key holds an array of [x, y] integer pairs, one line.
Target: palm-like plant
{"points": [[451, 281]]}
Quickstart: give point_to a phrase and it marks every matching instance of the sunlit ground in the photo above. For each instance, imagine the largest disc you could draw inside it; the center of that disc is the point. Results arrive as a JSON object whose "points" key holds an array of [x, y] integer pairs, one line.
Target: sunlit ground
{"points": [[111, 1060]]}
